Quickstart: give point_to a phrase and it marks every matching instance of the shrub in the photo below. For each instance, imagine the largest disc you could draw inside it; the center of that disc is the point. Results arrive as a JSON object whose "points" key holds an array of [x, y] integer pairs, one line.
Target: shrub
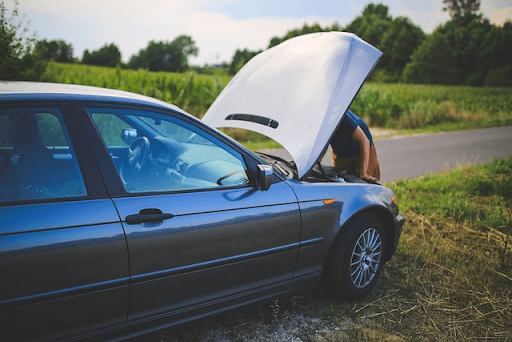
{"points": [[499, 77], [378, 109]]}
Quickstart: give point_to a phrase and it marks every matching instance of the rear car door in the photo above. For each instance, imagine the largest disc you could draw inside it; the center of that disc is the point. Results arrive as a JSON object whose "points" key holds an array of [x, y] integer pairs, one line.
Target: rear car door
{"points": [[63, 254], [198, 230]]}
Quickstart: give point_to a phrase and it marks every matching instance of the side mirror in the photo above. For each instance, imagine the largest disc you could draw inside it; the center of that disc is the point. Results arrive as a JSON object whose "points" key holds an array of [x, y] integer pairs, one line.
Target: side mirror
{"points": [[264, 177]]}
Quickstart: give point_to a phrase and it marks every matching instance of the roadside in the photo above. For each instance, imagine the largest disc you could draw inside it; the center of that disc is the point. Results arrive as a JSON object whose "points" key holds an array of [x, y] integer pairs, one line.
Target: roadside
{"points": [[411, 156], [379, 133], [450, 279], [384, 133]]}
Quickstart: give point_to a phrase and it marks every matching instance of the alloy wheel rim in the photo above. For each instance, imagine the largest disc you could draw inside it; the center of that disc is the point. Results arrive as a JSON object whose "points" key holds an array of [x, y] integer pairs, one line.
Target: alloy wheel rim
{"points": [[366, 257]]}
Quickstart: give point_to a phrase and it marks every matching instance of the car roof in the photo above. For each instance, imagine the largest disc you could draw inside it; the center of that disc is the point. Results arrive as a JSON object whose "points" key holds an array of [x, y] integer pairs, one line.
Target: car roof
{"points": [[19, 90]]}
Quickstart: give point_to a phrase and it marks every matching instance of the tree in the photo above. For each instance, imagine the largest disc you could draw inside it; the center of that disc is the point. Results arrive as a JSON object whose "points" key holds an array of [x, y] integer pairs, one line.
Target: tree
{"points": [[371, 24], [18, 58], [378, 10], [295, 33], [240, 58], [433, 62], [108, 55], [396, 38], [165, 56], [499, 73], [58, 50], [474, 45], [397, 44], [461, 8]]}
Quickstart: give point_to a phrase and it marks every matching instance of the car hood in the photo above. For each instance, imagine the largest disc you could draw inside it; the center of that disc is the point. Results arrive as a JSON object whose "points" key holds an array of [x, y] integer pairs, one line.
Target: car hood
{"points": [[297, 92]]}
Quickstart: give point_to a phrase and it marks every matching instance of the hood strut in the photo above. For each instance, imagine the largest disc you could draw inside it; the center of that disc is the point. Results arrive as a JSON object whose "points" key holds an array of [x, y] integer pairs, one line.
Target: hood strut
{"points": [[322, 170]]}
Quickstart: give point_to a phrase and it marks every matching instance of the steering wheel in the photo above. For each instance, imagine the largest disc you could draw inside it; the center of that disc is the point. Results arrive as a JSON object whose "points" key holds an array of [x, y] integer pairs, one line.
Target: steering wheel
{"points": [[219, 181], [136, 159]]}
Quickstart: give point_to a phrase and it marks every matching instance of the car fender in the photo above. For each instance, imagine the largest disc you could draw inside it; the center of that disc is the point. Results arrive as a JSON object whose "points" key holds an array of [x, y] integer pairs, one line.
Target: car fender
{"points": [[326, 208]]}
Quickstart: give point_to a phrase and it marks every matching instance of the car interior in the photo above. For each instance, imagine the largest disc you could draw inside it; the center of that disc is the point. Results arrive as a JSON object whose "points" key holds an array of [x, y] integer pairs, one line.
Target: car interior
{"points": [[159, 155], [31, 170]]}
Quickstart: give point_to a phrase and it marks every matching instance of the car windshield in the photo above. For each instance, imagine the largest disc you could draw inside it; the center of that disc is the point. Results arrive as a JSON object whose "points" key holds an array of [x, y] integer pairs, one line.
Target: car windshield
{"points": [[178, 133]]}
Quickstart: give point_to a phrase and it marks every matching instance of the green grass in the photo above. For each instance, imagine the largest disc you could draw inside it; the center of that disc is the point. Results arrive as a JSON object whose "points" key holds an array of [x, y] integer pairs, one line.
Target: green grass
{"points": [[478, 194], [465, 99], [407, 108], [190, 91]]}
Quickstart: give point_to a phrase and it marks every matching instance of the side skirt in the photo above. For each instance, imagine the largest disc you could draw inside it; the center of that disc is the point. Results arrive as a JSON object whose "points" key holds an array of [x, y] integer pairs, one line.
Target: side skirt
{"points": [[174, 318]]}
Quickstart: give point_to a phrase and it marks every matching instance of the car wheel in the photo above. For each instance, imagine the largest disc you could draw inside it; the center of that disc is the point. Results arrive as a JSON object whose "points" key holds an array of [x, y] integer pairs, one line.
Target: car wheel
{"points": [[356, 258]]}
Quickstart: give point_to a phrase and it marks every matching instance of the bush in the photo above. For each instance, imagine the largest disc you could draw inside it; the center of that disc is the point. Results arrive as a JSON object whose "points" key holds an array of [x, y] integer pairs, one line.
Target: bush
{"points": [[375, 107], [499, 77], [482, 186], [425, 113]]}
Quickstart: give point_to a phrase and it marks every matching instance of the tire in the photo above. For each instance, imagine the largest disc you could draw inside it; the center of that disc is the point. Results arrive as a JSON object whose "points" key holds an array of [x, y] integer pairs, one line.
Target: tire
{"points": [[356, 258]]}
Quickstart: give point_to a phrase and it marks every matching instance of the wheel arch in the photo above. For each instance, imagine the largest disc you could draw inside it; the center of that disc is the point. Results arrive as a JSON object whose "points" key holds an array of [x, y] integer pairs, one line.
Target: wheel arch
{"points": [[384, 215]]}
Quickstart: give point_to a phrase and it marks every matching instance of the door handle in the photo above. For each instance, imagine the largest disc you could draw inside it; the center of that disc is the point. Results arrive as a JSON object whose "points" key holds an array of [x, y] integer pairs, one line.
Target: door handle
{"points": [[148, 215]]}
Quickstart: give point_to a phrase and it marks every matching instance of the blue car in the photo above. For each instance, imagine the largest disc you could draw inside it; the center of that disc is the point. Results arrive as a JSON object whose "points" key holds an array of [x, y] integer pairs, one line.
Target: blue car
{"points": [[123, 215]]}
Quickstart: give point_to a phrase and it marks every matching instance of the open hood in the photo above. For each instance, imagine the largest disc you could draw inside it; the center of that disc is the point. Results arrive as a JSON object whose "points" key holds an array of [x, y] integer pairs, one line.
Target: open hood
{"points": [[297, 92]]}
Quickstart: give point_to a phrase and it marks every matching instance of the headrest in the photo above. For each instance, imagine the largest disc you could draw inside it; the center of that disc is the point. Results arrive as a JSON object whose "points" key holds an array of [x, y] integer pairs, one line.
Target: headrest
{"points": [[23, 130]]}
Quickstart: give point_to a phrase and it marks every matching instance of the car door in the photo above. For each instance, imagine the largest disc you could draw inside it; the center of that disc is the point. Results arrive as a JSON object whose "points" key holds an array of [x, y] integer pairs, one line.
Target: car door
{"points": [[63, 255], [198, 229]]}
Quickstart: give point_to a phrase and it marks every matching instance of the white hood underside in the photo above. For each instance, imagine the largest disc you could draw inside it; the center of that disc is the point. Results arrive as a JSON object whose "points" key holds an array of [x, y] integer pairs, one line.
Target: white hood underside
{"points": [[297, 92]]}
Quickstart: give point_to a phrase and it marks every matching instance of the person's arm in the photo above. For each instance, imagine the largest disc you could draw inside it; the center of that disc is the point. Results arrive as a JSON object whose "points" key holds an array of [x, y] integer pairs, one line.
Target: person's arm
{"points": [[364, 145]]}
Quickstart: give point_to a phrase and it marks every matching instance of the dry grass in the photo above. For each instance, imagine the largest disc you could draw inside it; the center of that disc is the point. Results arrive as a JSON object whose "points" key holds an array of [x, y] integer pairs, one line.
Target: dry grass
{"points": [[450, 279]]}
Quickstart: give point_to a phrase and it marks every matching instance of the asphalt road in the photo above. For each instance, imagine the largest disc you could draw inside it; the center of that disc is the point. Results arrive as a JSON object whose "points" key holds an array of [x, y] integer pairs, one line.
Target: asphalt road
{"points": [[411, 157], [415, 156]]}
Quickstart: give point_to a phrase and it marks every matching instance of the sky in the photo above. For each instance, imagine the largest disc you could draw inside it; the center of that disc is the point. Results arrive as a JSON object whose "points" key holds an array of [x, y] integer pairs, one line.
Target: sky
{"points": [[218, 27]]}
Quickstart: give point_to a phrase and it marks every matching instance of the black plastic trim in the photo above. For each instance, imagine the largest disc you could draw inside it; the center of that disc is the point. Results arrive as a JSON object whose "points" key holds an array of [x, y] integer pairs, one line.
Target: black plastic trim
{"points": [[262, 120], [139, 278], [68, 292]]}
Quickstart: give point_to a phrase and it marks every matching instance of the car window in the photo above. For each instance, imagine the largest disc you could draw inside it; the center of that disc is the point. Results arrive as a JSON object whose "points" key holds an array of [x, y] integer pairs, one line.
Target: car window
{"points": [[37, 160], [155, 152]]}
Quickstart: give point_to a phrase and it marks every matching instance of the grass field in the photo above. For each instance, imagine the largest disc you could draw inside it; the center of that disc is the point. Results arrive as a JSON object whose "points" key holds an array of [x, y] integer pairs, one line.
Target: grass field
{"points": [[190, 91], [404, 107], [450, 279]]}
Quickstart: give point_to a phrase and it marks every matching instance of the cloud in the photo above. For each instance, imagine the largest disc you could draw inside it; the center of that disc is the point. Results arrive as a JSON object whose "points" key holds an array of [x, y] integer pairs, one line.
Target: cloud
{"points": [[220, 35], [501, 16], [219, 29], [426, 15], [132, 24]]}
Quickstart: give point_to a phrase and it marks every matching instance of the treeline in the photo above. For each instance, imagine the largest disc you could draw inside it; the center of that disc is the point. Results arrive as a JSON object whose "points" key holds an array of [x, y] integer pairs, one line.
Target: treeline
{"points": [[466, 50], [157, 56]]}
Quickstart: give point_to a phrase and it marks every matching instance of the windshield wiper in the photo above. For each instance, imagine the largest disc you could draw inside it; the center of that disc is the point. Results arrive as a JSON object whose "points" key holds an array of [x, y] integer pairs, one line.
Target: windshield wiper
{"points": [[287, 162], [274, 162]]}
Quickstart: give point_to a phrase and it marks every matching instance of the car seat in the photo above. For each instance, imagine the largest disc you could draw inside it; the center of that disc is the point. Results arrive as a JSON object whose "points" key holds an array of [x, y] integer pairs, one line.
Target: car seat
{"points": [[33, 163]]}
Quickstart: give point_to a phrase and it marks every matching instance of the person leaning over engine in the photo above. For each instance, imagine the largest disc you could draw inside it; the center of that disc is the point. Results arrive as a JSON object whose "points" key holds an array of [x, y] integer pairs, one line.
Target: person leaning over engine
{"points": [[353, 148]]}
